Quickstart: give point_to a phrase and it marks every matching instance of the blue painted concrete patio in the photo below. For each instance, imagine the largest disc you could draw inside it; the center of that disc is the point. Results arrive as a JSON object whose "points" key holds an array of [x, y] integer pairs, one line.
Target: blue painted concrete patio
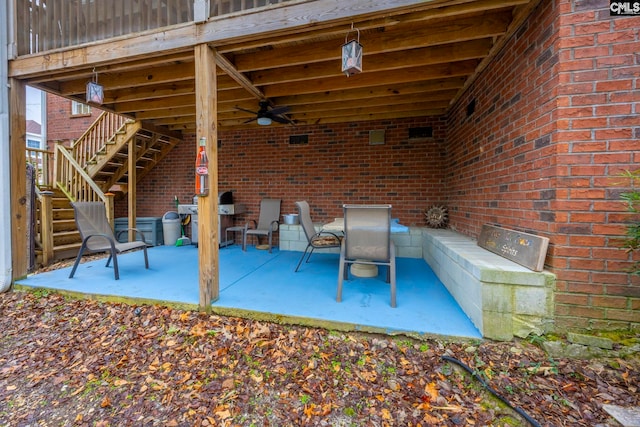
{"points": [[258, 284]]}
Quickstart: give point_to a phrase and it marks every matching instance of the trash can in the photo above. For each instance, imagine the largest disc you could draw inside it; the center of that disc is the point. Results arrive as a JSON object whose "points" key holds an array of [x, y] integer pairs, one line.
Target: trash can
{"points": [[171, 228]]}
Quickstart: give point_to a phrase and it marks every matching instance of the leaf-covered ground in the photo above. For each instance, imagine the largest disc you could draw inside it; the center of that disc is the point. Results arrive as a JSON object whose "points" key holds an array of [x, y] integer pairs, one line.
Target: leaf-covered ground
{"points": [[78, 362]]}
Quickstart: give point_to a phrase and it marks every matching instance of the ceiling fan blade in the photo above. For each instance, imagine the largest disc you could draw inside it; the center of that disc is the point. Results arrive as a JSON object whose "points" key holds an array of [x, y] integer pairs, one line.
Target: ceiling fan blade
{"points": [[250, 120], [281, 120], [245, 110], [279, 110]]}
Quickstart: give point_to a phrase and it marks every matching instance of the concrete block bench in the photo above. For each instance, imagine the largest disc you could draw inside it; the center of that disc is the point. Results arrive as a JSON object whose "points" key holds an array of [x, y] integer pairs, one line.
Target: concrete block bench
{"points": [[501, 297]]}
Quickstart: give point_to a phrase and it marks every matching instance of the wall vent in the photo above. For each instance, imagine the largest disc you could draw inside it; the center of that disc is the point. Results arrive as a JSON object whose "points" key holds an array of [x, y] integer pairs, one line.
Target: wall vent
{"points": [[376, 137], [421, 132], [298, 139]]}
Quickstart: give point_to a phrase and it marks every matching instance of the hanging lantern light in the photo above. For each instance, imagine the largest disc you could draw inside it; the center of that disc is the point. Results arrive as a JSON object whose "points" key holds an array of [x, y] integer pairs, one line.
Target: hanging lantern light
{"points": [[352, 54], [95, 92]]}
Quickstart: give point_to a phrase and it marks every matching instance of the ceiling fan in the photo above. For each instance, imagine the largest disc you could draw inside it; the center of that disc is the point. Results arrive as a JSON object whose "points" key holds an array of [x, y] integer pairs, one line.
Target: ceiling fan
{"points": [[266, 114]]}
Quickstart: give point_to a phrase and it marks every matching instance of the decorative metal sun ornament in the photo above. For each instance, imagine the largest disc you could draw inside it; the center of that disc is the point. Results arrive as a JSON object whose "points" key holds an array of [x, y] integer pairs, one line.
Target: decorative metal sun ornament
{"points": [[437, 216]]}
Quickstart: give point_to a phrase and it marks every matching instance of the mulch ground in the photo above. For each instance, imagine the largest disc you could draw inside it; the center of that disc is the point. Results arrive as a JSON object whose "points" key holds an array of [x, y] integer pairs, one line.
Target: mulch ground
{"points": [[86, 363]]}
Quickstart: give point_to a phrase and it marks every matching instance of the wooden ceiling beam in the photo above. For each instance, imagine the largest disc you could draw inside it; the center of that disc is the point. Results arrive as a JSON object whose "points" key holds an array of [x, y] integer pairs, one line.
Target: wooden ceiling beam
{"points": [[138, 78], [117, 67], [240, 78], [375, 109], [396, 39], [154, 104], [142, 93], [166, 112], [387, 101], [389, 91], [429, 11], [432, 72], [474, 49]]}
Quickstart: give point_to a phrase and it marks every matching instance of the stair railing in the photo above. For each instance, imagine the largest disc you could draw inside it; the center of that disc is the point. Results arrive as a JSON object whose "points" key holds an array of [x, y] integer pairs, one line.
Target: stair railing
{"points": [[42, 160], [76, 184], [95, 139]]}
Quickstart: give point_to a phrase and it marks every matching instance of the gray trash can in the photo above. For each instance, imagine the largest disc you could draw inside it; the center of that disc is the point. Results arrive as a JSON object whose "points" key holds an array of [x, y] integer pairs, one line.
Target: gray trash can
{"points": [[171, 228]]}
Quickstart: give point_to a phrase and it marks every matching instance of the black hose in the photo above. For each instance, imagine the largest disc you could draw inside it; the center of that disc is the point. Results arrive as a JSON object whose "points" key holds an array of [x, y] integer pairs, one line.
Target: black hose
{"points": [[526, 416]]}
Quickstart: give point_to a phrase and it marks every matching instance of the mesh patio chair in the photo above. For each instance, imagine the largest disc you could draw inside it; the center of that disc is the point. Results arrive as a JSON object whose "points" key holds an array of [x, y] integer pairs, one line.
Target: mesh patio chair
{"points": [[367, 240], [97, 235], [268, 222], [315, 239]]}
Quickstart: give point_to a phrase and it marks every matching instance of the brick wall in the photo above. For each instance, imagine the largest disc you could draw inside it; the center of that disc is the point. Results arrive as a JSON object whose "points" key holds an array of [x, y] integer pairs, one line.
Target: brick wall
{"points": [[336, 166], [62, 125], [543, 150], [598, 127]]}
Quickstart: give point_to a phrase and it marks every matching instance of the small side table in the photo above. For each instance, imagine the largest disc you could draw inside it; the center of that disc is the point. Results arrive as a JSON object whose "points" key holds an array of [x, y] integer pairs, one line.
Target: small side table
{"points": [[234, 229]]}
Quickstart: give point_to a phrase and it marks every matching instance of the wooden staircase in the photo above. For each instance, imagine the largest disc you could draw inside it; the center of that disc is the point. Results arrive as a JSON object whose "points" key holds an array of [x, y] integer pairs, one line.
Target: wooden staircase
{"points": [[66, 239], [95, 165]]}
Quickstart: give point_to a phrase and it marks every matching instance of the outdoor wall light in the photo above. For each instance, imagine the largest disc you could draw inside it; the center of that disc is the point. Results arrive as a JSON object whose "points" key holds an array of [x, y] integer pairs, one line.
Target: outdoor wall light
{"points": [[352, 54], [264, 121]]}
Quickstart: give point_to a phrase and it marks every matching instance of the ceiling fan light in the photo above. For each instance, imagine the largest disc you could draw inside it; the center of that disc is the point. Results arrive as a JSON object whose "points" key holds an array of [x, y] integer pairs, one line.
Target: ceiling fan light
{"points": [[264, 121]]}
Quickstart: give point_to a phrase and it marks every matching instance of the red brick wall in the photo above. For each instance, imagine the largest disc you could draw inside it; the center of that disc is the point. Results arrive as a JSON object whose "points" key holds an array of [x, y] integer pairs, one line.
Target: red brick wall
{"points": [[599, 129], [336, 166], [501, 159], [61, 124], [556, 120]]}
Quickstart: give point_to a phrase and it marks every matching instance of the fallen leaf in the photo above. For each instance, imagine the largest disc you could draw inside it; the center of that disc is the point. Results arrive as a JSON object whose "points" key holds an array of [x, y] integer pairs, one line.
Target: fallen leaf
{"points": [[106, 402]]}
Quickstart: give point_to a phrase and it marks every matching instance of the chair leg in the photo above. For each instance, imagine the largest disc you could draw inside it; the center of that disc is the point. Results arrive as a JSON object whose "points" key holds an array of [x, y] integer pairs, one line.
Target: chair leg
{"points": [[244, 241], [342, 273], [309, 257], [75, 264], [146, 258], [269, 241], [116, 272], [340, 281], [301, 258], [392, 273]]}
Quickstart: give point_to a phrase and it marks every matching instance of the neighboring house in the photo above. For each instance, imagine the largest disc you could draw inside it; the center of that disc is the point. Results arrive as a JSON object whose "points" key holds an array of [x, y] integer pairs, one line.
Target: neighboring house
{"points": [[34, 134], [530, 132]]}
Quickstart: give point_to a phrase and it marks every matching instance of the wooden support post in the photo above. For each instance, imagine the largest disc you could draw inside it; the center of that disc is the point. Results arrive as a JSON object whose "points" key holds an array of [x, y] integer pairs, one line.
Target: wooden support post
{"points": [[131, 179], [57, 162], [46, 226], [18, 208], [110, 208], [206, 127]]}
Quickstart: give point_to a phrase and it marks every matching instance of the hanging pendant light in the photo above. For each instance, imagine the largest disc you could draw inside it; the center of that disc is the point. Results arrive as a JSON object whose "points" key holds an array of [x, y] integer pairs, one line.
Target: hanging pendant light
{"points": [[94, 92], [352, 54]]}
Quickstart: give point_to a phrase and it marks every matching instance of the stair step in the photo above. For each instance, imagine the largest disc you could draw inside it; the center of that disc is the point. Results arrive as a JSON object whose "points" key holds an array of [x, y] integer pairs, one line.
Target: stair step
{"points": [[62, 214], [66, 237], [66, 251], [64, 225]]}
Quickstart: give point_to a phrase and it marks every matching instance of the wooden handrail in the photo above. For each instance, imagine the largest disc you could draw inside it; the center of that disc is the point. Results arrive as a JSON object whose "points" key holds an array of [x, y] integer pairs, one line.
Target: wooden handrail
{"points": [[76, 184], [72, 180], [94, 139]]}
